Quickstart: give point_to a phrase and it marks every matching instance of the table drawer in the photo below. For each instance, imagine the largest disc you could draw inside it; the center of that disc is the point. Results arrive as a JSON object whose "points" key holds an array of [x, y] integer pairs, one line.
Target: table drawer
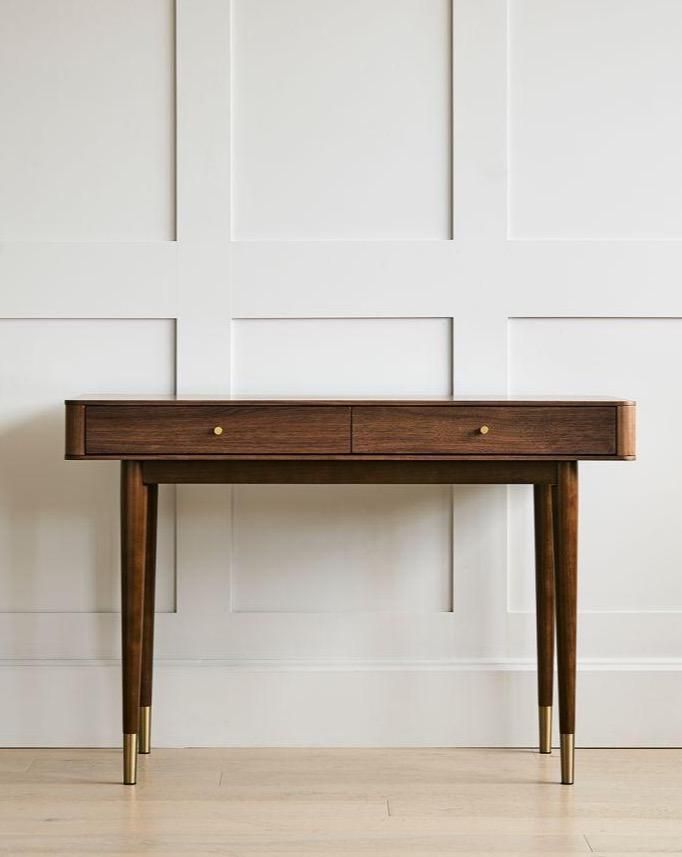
{"points": [[190, 429], [542, 430]]}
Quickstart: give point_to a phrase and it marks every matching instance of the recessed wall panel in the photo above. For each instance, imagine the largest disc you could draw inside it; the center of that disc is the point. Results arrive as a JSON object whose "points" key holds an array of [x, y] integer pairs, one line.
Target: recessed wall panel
{"points": [[341, 119], [320, 548], [595, 129], [341, 357], [59, 520], [630, 549], [87, 99]]}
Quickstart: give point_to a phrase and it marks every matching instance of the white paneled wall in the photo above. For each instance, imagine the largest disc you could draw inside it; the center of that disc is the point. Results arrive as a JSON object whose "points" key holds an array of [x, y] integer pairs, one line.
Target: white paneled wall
{"points": [[341, 119], [638, 570], [353, 357], [87, 101], [361, 198], [594, 128], [400, 554], [50, 560], [398, 559]]}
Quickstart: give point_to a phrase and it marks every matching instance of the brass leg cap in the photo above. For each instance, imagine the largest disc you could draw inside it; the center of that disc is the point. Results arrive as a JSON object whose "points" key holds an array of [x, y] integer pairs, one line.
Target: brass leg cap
{"points": [[129, 759], [145, 729], [545, 722], [567, 758]]}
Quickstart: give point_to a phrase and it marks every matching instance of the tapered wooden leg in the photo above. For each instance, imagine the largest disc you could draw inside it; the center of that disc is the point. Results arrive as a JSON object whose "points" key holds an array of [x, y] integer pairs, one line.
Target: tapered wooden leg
{"points": [[133, 535], [565, 503], [544, 610], [148, 621]]}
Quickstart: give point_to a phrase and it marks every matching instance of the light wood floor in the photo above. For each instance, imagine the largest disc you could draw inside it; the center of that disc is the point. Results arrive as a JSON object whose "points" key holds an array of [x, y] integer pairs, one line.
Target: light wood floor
{"points": [[340, 802]]}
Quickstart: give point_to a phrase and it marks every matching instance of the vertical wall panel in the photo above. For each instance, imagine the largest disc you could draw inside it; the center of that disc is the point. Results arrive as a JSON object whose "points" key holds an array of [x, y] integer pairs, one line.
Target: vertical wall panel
{"points": [[312, 548], [340, 548], [342, 122], [342, 357], [630, 546], [88, 105], [595, 126], [59, 532]]}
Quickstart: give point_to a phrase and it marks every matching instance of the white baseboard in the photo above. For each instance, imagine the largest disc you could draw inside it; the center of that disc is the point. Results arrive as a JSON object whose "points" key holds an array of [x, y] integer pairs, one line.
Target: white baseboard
{"points": [[315, 703]]}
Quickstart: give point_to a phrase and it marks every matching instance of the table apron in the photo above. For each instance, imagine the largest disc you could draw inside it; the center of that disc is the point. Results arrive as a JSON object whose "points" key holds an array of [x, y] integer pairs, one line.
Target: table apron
{"points": [[350, 472]]}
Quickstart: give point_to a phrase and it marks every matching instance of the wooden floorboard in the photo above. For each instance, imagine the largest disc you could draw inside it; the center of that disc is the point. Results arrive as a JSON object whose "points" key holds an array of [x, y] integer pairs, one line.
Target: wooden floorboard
{"points": [[421, 802]]}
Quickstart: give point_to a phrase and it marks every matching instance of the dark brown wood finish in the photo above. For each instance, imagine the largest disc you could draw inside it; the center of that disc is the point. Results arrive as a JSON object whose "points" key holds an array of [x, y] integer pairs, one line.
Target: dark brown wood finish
{"points": [[350, 472], [544, 597], [164, 440], [133, 545], [625, 433], [190, 430], [565, 505], [517, 430], [149, 596], [314, 402], [75, 430], [507, 430]]}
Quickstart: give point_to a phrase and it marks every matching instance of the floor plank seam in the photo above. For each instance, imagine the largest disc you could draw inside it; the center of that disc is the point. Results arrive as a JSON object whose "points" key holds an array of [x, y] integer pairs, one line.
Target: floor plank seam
{"points": [[336, 803]]}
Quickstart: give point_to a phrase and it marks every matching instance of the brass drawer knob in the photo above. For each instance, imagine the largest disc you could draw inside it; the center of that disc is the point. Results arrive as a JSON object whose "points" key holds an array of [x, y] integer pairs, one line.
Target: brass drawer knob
{"points": [[484, 429], [218, 430]]}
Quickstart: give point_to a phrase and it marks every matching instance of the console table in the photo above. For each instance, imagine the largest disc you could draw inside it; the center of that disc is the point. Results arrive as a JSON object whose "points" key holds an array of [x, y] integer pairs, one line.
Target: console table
{"points": [[192, 440]]}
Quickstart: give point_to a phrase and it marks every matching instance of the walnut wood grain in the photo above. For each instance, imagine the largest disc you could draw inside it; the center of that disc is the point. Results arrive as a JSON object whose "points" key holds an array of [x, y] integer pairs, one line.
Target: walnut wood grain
{"points": [[75, 430], [465, 401], [181, 429], [133, 543], [544, 592], [350, 472], [542, 430], [401, 442], [625, 432], [522, 429], [149, 596], [332, 456], [565, 508]]}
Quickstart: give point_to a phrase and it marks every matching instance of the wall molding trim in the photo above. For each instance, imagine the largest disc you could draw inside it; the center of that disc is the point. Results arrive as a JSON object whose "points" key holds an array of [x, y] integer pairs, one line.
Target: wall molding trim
{"points": [[356, 665], [244, 703]]}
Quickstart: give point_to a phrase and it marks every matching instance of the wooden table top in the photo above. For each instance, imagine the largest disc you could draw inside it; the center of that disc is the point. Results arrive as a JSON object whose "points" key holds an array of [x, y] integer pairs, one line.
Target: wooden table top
{"points": [[179, 427], [167, 398]]}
